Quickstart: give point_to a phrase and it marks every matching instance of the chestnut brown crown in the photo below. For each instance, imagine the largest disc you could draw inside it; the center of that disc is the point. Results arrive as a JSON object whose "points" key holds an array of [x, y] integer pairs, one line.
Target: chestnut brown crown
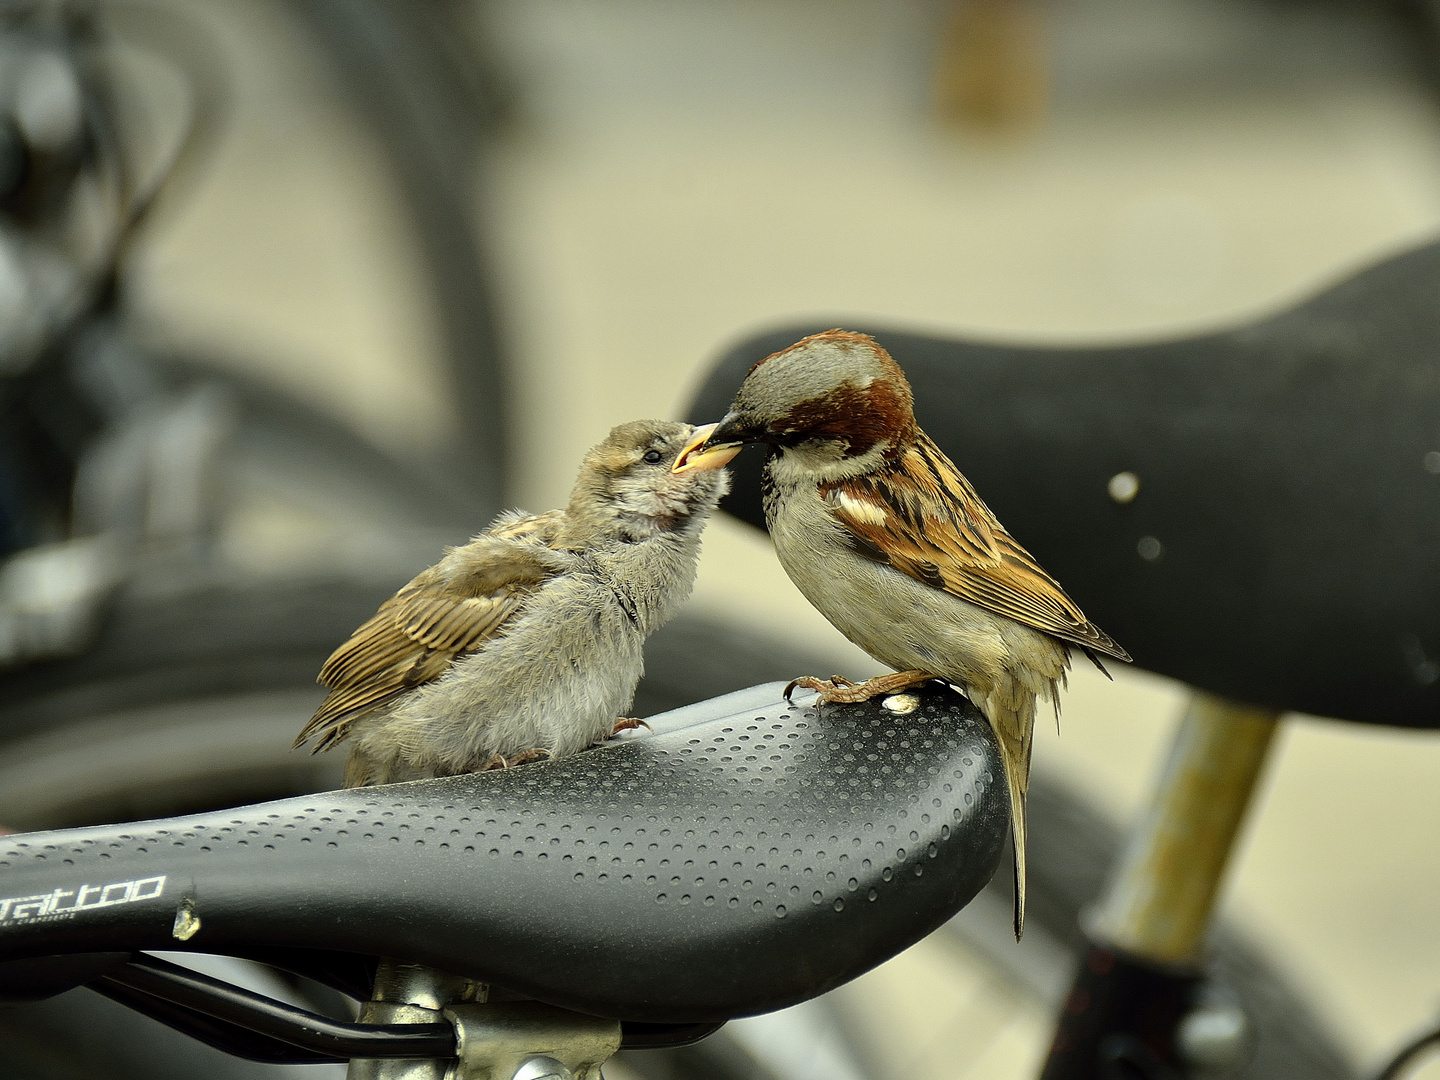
{"points": [[834, 385]]}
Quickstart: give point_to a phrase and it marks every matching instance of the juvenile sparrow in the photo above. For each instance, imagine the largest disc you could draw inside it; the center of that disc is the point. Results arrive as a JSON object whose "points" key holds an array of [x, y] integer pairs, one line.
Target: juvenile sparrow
{"points": [[526, 642], [884, 536]]}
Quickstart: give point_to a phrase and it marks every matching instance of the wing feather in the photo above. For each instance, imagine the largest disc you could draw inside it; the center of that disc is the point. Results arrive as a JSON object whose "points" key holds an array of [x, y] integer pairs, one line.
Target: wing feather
{"points": [[447, 611], [921, 516]]}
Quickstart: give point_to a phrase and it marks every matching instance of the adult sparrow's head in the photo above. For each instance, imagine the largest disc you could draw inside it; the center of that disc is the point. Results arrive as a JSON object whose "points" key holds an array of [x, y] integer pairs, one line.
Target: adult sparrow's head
{"points": [[835, 397]]}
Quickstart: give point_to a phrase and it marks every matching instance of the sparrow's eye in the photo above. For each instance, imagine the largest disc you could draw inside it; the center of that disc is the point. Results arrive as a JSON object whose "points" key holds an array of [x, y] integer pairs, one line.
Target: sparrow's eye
{"points": [[653, 457]]}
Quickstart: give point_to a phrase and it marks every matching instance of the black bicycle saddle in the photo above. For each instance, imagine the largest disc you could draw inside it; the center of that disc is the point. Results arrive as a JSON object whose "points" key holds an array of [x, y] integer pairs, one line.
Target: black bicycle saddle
{"points": [[747, 855], [1283, 547]]}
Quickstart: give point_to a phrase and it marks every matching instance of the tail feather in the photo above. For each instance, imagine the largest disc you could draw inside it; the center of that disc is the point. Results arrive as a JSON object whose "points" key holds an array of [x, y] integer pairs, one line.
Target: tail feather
{"points": [[1012, 718], [1018, 782]]}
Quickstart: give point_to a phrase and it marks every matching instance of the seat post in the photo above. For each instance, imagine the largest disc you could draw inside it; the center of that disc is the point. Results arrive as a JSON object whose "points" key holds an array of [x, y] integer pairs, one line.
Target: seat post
{"points": [[1140, 982], [1159, 905], [411, 994]]}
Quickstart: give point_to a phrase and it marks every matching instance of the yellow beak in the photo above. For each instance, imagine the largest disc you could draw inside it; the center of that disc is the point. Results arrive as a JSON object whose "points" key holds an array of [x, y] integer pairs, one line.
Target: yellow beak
{"points": [[696, 459]]}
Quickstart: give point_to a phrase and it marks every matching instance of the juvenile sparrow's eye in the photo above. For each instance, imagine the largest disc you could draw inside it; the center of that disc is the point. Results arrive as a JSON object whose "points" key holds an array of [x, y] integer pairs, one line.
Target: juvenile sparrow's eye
{"points": [[652, 457]]}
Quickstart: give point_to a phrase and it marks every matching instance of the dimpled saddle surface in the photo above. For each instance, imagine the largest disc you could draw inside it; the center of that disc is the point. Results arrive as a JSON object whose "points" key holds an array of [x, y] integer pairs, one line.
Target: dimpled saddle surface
{"points": [[746, 855]]}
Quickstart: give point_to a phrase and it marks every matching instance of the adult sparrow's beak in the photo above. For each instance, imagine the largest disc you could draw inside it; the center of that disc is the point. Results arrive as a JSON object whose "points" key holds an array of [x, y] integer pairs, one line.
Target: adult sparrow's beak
{"points": [[697, 457]]}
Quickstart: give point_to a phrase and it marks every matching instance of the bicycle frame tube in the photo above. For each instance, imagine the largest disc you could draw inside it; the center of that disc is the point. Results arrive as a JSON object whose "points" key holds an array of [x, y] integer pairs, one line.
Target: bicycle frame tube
{"points": [[1143, 975], [1160, 905]]}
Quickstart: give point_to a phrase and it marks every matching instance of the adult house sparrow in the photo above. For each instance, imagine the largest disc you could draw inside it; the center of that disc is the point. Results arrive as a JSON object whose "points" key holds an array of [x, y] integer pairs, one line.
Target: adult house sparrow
{"points": [[526, 642], [890, 542]]}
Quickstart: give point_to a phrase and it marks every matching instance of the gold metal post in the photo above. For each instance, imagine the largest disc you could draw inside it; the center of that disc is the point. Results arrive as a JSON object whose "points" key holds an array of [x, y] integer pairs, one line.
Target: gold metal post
{"points": [[411, 994], [1159, 905]]}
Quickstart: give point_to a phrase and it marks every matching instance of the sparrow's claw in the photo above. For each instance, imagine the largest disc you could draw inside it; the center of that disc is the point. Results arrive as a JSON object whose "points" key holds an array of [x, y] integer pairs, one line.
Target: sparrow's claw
{"points": [[831, 689], [805, 682], [628, 723], [840, 689], [499, 761]]}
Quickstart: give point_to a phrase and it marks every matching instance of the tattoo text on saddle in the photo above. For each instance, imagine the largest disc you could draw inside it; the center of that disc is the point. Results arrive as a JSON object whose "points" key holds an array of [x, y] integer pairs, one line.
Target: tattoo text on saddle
{"points": [[65, 903]]}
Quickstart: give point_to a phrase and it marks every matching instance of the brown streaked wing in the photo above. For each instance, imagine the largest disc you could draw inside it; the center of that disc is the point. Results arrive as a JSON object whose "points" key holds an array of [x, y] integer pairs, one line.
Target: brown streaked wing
{"points": [[416, 635], [936, 529]]}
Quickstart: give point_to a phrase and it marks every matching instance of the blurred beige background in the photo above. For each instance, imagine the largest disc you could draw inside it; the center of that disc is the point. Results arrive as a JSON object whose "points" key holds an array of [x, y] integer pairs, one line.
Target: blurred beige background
{"points": [[676, 175]]}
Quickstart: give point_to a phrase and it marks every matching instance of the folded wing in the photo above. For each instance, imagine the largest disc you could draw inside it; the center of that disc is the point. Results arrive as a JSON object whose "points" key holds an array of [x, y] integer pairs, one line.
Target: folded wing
{"points": [[446, 612], [921, 516]]}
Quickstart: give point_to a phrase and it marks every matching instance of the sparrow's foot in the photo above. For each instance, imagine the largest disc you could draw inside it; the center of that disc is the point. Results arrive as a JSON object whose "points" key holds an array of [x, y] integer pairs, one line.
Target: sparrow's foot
{"points": [[499, 761], [628, 723], [838, 689], [822, 686]]}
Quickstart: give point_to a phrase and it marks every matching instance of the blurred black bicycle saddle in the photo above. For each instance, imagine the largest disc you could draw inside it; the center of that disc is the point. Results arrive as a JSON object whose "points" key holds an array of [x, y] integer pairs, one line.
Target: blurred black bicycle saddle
{"points": [[1277, 539]]}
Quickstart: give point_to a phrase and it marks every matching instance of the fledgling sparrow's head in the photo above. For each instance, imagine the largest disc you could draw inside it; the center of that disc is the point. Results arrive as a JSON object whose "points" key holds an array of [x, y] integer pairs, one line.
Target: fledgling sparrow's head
{"points": [[834, 396], [628, 489]]}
